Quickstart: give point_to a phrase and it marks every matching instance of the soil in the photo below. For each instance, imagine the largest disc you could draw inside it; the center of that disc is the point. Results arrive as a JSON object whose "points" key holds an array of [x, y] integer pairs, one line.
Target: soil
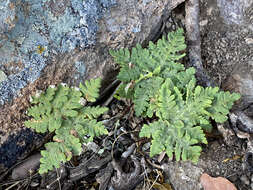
{"points": [[225, 48], [219, 159]]}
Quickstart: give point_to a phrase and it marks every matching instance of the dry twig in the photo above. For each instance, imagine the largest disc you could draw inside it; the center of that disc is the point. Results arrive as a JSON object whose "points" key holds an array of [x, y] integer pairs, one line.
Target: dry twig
{"points": [[194, 41]]}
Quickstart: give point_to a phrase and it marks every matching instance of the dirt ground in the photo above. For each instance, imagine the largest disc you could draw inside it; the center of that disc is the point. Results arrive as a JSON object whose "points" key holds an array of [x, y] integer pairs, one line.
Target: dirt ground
{"points": [[225, 48]]}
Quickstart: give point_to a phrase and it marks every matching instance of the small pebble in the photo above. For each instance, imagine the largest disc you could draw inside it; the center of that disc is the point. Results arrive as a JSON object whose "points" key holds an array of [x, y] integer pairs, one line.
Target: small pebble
{"points": [[27, 168], [92, 146], [203, 22], [245, 179], [2, 76], [251, 185], [34, 184], [249, 40], [233, 178], [146, 146]]}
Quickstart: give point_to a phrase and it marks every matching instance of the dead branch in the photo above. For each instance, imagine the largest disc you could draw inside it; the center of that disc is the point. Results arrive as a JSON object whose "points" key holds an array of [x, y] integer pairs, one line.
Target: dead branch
{"points": [[194, 41]]}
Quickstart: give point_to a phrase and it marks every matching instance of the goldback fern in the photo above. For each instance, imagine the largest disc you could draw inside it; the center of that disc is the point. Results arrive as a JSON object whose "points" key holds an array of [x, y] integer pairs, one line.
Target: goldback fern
{"points": [[161, 86], [61, 110]]}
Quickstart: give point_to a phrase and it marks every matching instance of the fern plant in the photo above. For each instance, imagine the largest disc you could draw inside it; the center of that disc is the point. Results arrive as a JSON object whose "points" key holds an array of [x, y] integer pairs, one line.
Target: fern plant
{"points": [[61, 110], [161, 87]]}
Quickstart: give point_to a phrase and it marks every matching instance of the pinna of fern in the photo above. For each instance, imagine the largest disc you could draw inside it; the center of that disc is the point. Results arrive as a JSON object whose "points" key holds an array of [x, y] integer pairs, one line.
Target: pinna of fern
{"points": [[160, 86], [60, 110]]}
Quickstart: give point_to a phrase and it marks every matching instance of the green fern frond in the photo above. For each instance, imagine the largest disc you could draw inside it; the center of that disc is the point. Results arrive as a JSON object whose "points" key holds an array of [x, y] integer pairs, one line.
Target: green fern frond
{"points": [[88, 129], [125, 90], [40, 126], [61, 96], [66, 136], [55, 154], [54, 122], [93, 112], [162, 87], [91, 89], [122, 56], [96, 129], [146, 91], [59, 110], [178, 139], [223, 101]]}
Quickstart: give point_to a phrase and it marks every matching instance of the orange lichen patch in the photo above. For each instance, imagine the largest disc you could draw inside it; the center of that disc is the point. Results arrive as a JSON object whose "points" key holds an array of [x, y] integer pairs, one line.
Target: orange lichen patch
{"points": [[11, 6], [40, 49], [15, 65], [9, 21]]}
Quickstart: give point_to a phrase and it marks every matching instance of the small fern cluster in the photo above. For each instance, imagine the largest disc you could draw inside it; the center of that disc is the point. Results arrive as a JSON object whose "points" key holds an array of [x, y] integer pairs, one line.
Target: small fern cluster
{"points": [[161, 86], [61, 110]]}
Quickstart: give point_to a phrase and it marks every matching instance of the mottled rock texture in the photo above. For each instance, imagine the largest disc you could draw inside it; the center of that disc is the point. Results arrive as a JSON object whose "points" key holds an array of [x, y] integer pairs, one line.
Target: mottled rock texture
{"points": [[46, 42], [227, 49], [42, 30], [184, 175]]}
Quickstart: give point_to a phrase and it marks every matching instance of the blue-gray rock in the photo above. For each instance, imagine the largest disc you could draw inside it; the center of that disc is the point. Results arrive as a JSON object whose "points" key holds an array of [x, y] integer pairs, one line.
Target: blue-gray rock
{"points": [[7, 16], [46, 42], [44, 28], [2, 76]]}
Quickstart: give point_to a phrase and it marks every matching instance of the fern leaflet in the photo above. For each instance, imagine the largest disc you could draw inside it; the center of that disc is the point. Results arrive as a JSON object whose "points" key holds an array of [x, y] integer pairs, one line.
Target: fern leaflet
{"points": [[59, 110]]}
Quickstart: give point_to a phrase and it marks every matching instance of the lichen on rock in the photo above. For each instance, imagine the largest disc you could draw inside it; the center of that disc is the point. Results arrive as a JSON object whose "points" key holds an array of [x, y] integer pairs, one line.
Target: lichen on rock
{"points": [[7, 19], [34, 31]]}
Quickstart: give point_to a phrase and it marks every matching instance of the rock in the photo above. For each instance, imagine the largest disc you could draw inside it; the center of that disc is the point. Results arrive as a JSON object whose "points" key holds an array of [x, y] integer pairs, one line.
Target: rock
{"points": [[251, 181], [53, 41], [241, 81], [2, 76], [249, 155], [16, 146], [219, 183], [233, 12], [183, 175], [93, 147], [224, 36], [245, 179], [7, 17], [27, 168], [242, 122], [227, 53]]}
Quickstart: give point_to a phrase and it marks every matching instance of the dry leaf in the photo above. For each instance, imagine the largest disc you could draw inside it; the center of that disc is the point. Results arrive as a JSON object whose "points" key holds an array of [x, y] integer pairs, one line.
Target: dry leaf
{"points": [[236, 157], [161, 156], [164, 186]]}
